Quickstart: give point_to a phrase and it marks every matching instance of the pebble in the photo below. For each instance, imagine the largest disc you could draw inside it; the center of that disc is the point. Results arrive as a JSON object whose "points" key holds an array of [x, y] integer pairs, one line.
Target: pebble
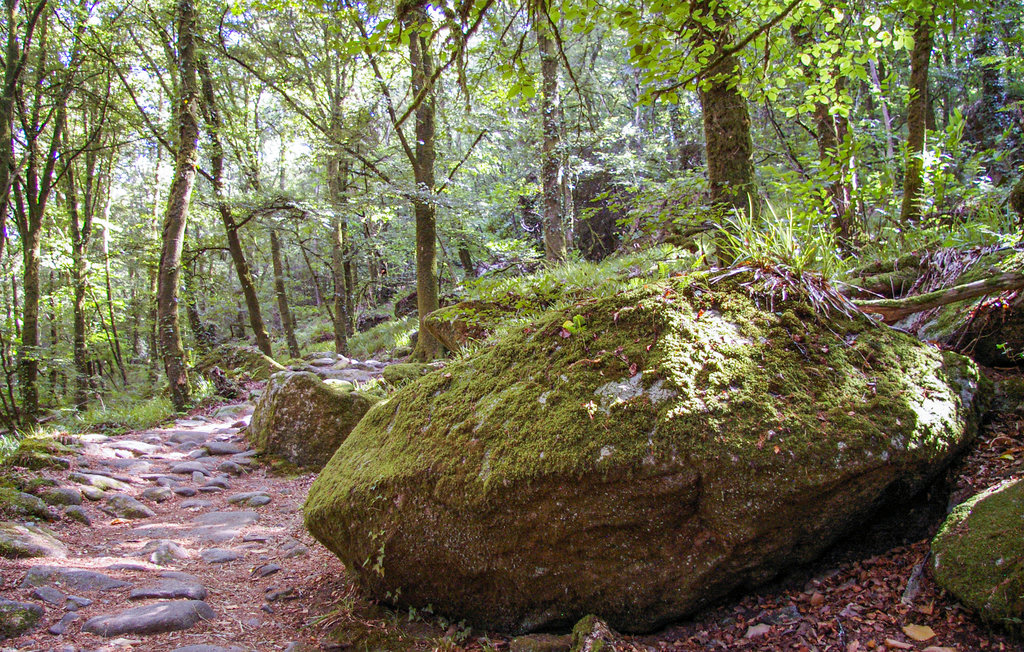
{"points": [[282, 594], [76, 602], [167, 616]]}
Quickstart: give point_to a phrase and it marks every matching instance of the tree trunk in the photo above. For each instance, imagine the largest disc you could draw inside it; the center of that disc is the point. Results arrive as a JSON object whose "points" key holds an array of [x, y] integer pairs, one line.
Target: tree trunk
{"points": [[282, 297], [81, 230], [554, 231], [213, 128], [340, 314], [892, 310], [422, 65], [727, 140], [917, 114], [176, 216]]}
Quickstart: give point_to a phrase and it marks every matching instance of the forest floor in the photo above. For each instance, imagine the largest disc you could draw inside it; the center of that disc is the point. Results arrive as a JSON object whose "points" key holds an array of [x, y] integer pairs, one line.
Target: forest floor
{"points": [[271, 587]]}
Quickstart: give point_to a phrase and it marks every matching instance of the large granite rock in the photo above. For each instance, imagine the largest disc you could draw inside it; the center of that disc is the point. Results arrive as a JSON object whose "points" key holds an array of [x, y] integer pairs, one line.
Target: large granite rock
{"points": [[28, 540], [978, 554], [301, 419], [240, 362], [638, 457]]}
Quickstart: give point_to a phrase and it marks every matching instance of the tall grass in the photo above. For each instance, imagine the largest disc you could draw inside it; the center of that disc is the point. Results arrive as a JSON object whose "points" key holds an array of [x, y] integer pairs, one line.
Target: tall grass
{"points": [[382, 339]]}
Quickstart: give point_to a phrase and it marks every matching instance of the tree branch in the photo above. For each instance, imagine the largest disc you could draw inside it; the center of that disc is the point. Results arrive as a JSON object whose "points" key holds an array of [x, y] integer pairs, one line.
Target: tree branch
{"points": [[892, 310]]}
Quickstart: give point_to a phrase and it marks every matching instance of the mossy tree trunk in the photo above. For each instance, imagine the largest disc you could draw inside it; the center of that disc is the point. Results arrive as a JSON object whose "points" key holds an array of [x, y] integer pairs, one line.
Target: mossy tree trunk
{"points": [[917, 116], [727, 140], [554, 231], [340, 313], [422, 64], [211, 115], [176, 215]]}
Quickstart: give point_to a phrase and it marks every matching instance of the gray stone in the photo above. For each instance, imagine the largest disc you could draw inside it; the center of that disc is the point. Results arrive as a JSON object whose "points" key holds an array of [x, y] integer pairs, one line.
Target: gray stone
{"points": [[198, 453], [157, 494], [136, 448], [197, 503], [219, 555], [198, 477], [273, 595], [250, 499], [153, 618], [169, 589], [60, 627], [98, 481], [265, 570], [49, 594], [124, 506], [220, 483], [77, 579], [166, 481], [221, 526], [180, 436], [188, 468], [297, 551], [27, 540], [210, 490], [77, 513], [93, 493], [164, 552], [76, 602], [234, 468], [206, 648], [17, 617], [222, 448], [187, 492], [62, 496]]}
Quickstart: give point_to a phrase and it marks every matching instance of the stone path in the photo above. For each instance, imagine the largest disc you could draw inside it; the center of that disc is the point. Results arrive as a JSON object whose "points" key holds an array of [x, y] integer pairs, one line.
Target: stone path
{"points": [[168, 539]]}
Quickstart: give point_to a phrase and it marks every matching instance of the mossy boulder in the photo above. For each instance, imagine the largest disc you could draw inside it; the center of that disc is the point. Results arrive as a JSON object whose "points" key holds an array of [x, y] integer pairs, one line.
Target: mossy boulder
{"points": [[461, 324], [680, 442], [40, 453], [17, 617], [240, 362], [405, 372], [978, 554], [18, 504], [302, 420]]}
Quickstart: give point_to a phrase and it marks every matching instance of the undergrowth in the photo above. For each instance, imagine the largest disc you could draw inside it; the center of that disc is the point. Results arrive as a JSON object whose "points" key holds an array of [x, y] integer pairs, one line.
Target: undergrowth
{"points": [[125, 414], [382, 338]]}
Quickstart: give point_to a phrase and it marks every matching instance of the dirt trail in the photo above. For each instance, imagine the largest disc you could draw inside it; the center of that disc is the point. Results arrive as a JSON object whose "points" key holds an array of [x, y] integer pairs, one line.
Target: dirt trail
{"points": [[191, 535]]}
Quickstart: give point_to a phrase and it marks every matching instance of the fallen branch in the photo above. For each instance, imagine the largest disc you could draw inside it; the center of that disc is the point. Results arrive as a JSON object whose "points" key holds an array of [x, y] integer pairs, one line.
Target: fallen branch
{"points": [[892, 310]]}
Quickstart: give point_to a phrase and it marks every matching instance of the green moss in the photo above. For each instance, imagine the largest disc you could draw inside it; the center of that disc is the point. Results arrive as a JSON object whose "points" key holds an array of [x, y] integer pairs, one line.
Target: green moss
{"points": [[402, 373], [39, 453], [18, 504], [17, 617], [978, 554]]}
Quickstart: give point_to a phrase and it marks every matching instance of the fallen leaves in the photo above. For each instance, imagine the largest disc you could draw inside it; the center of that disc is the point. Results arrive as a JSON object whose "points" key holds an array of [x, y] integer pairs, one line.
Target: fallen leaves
{"points": [[919, 632]]}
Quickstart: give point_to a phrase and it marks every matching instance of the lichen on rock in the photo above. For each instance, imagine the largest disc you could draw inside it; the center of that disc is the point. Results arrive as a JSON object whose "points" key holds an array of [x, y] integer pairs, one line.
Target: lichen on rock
{"points": [[684, 440], [978, 554], [302, 420]]}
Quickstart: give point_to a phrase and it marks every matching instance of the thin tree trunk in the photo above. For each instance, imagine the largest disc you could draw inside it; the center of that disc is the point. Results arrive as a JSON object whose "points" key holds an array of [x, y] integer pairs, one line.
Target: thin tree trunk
{"points": [[282, 296], [917, 114], [892, 310], [176, 216], [81, 230], [116, 339], [337, 270], [422, 64], [213, 128], [890, 150], [554, 231]]}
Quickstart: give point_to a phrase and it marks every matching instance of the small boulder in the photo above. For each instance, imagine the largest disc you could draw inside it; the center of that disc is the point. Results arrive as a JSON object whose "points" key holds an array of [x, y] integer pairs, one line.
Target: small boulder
{"points": [[124, 506], [978, 553], [97, 481], [153, 618], [77, 513], [16, 618], [591, 634], [18, 541], [17, 503], [62, 496], [250, 499], [78, 579], [302, 420]]}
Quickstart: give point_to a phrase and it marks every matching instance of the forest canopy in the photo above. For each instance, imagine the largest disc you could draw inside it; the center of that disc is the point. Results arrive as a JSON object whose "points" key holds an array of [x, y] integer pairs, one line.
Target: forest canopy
{"points": [[284, 174]]}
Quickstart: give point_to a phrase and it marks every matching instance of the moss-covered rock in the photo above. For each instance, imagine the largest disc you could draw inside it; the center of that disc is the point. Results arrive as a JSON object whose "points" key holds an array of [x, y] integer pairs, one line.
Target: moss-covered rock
{"points": [[591, 634], [240, 362], [405, 372], [978, 554], [17, 504], [679, 442], [17, 617], [26, 540], [40, 453], [303, 420], [465, 322]]}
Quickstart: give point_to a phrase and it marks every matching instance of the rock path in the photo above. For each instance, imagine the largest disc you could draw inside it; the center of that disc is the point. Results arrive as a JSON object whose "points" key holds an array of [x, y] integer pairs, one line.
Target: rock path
{"points": [[167, 539]]}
